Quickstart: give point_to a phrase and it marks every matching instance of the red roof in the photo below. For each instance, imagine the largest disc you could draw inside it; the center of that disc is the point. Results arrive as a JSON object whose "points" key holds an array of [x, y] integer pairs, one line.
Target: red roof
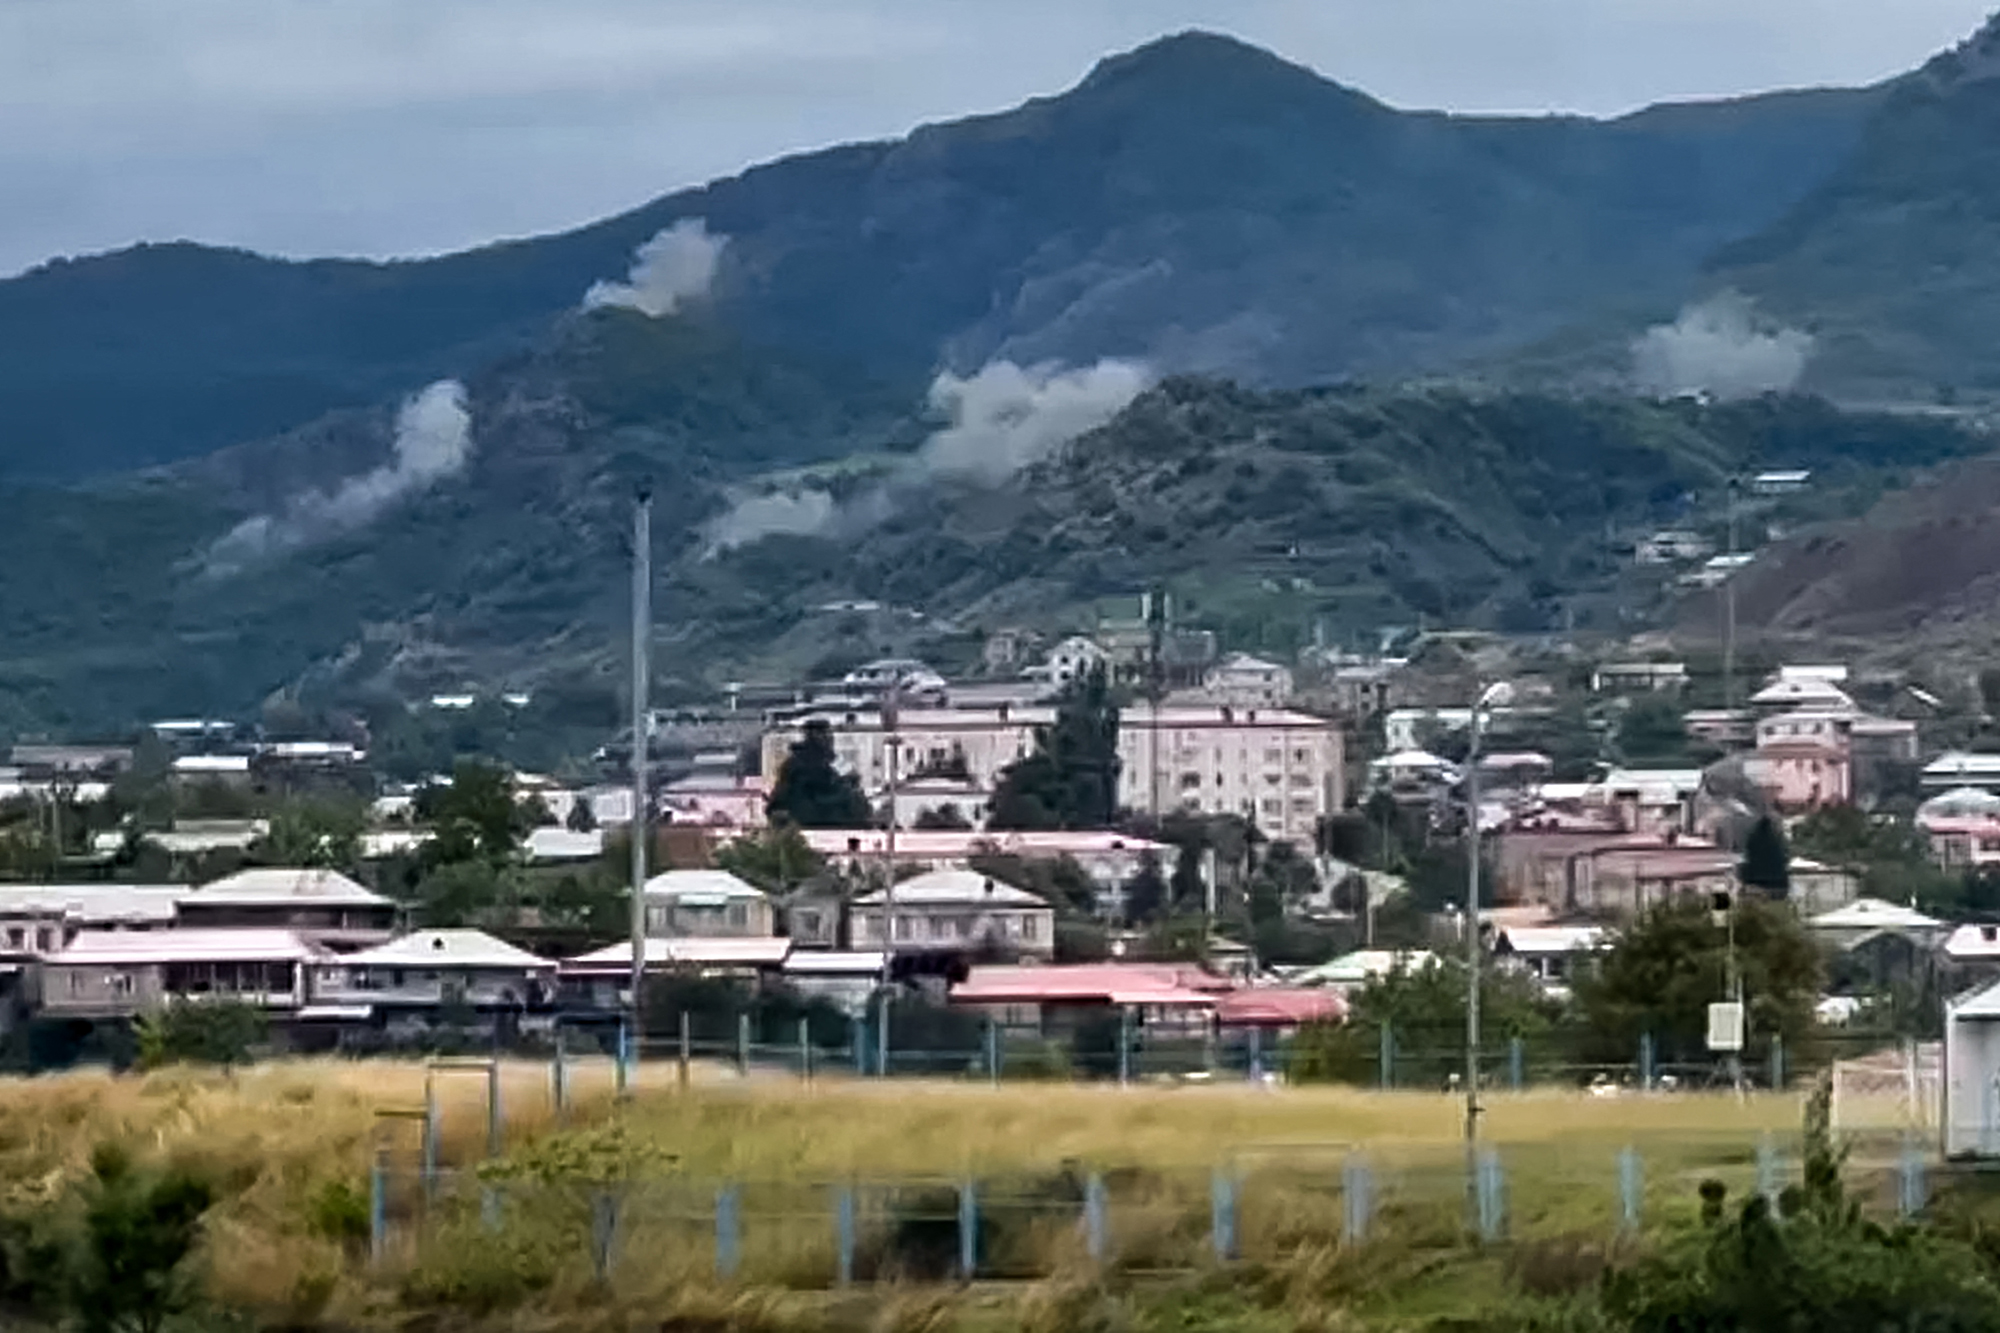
{"points": [[1280, 1007], [1090, 983]]}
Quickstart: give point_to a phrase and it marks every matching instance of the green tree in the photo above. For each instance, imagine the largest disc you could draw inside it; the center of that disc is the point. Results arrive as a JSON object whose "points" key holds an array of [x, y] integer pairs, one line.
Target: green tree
{"points": [[464, 893], [774, 859], [1146, 892], [946, 816], [1664, 970], [811, 792], [1766, 860], [1424, 1009], [131, 1271], [582, 819], [210, 1032], [1652, 731], [313, 832], [474, 817], [1071, 780]]}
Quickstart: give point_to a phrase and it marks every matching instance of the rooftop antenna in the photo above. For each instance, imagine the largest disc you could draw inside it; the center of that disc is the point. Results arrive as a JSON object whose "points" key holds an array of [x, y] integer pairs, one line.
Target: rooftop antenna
{"points": [[642, 643]]}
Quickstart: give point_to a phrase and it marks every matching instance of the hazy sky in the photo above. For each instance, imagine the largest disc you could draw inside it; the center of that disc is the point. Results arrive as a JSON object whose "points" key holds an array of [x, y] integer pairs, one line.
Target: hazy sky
{"points": [[402, 126]]}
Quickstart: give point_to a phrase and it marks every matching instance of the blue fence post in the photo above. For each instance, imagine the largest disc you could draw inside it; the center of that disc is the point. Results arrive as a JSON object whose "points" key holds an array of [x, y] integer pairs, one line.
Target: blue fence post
{"points": [[805, 1051], [430, 1145], [1096, 1219], [1357, 1190], [1256, 1055], [1222, 1214], [1777, 1061], [685, 1064], [603, 1233], [993, 1052], [1124, 1045], [618, 1070], [1768, 1169], [1911, 1192], [1631, 1189], [743, 1045], [728, 1230], [843, 1236], [378, 1207], [1516, 1063], [1386, 1055], [968, 1231], [1491, 1189], [1646, 1072], [559, 1078]]}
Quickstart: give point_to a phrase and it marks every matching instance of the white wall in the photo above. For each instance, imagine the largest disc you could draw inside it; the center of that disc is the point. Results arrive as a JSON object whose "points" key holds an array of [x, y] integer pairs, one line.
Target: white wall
{"points": [[1972, 1087]]}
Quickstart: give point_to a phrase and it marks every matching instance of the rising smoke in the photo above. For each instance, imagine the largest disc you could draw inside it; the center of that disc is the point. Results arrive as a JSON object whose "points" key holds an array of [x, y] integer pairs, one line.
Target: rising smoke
{"points": [[677, 266], [433, 440], [1721, 348], [1002, 419]]}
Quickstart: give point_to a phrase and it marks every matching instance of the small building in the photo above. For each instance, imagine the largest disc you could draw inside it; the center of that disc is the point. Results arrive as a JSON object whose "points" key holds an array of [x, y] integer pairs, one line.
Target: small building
{"points": [[1789, 694], [1048, 1000], [1956, 769], [708, 903], [955, 911], [1243, 679], [844, 979], [1551, 955], [1972, 1074], [1612, 677], [418, 978], [229, 770], [1787, 481], [324, 907], [602, 978], [120, 974], [1852, 925], [1721, 726], [1353, 971], [1671, 546]]}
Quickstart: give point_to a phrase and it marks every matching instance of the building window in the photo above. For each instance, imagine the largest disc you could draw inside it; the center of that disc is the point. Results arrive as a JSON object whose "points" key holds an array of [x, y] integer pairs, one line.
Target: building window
{"points": [[1190, 781], [903, 925], [1028, 927], [809, 923], [739, 915], [15, 937]]}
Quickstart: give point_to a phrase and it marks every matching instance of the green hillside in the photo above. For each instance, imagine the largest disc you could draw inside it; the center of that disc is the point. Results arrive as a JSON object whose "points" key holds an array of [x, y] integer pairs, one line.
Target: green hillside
{"points": [[1198, 201]]}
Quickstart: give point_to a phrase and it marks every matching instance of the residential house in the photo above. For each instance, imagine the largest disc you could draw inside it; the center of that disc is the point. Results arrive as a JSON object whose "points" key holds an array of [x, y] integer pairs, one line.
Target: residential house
{"points": [[1624, 882], [1671, 546], [119, 974], [710, 903], [1625, 677], [1957, 769], [1972, 951], [324, 907], [1892, 945], [1788, 694], [602, 978], [1647, 800], [1784, 482], [46, 763], [955, 911], [229, 770], [939, 795], [1552, 955], [1726, 727], [420, 978], [1041, 1000], [847, 980], [1008, 650], [1108, 857], [1802, 759], [1413, 728], [1074, 659], [1248, 681], [37, 920]]}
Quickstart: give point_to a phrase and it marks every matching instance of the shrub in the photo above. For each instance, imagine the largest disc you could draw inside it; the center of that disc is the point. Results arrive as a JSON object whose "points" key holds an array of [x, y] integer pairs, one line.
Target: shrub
{"points": [[212, 1032], [130, 1271]]}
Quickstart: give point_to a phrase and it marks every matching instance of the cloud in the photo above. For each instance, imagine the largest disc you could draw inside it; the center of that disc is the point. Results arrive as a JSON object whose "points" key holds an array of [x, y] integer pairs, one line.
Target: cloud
{"points": [[433, 440], [1720, 347], [677, 266], [1002, 419]]}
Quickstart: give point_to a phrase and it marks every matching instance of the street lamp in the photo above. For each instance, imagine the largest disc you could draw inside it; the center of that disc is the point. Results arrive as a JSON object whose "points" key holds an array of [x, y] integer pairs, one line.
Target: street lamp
{"points": [[1493, 696]]}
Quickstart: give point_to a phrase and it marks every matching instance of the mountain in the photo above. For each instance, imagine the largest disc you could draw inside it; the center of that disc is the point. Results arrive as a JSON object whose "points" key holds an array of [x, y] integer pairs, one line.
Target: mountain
{"points": [[1198, 203], [1893, 261]]}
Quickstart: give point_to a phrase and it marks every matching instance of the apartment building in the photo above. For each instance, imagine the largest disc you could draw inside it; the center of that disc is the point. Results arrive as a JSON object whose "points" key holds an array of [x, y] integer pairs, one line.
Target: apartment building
{"points": [[1279, 767]]}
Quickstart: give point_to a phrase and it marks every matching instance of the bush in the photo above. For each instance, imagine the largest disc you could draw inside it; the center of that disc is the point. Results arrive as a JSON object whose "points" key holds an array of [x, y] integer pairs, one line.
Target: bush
{"points": [[213, 1032], [130, 1271]]}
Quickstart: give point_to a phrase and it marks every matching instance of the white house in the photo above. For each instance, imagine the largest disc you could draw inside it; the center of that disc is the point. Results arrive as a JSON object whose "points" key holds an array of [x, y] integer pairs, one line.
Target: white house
{"points": [[712, 903], [1793, 693], [1250, 681], [1972, 1074], [1074, 659], [117, 974], [956, 909], [430, 970]]}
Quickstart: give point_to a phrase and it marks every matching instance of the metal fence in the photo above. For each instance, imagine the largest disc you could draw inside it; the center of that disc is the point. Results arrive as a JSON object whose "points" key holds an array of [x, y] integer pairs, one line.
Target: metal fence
{"points": [[1261, 1205]]}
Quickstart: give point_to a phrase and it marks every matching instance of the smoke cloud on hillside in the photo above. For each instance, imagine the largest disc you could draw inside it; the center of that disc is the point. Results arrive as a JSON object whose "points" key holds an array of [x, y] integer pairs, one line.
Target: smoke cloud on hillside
{"points": [[1719, 347], [675, 267], [433, 440], [1002, 419]]}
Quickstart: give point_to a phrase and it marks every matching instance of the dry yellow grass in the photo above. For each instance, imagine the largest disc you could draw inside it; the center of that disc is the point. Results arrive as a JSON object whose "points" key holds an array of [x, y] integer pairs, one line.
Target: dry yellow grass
{"points": [[273, 1135]]}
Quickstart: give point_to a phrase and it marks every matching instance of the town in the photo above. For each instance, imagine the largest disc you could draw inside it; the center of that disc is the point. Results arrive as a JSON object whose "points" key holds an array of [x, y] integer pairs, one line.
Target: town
{"points": [[1205, 853]]}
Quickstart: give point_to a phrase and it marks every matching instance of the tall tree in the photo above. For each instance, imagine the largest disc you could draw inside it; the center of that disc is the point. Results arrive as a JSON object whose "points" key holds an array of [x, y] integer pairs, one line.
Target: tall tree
{"points": [[1662, 973], [473, 817], [1145, 892], [304, 832], [1767, 861], [1071, 780], [811, 792]]}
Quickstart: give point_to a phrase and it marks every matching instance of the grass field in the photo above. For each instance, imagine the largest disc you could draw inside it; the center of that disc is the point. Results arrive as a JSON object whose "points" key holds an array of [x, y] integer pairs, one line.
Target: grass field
{"points": [[292, 1144]]}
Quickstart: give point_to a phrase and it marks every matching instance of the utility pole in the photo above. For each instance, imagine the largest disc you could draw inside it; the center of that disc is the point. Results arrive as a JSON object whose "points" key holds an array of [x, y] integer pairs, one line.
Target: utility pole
{"points": [[642, 661], [1486, 699], [891, 711], [1155, 610], [1729, 607]]}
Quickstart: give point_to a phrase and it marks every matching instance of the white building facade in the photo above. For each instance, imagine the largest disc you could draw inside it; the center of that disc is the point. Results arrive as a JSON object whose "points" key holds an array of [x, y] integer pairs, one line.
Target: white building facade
{"points": [[1276, 766]]}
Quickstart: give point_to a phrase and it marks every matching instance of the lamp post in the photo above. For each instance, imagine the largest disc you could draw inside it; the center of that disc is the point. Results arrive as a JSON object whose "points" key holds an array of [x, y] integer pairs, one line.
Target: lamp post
{"points": [[1492, 695], [891, 711]]}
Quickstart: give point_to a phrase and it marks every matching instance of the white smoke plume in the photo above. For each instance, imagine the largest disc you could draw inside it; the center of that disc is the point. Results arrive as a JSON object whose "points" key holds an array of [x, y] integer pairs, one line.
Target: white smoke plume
{"points": [[433, 440], [1003, 418], [1720, 347], [677, 266]]}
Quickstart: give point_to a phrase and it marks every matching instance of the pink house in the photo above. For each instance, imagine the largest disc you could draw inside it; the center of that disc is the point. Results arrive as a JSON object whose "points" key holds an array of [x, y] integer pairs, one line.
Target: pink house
{"points": [[1803, 758]]}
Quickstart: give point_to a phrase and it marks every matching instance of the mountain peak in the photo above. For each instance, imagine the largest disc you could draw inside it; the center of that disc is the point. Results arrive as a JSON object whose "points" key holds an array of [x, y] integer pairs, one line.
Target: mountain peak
{"points": [[1200, 59], [1974, 60]]}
